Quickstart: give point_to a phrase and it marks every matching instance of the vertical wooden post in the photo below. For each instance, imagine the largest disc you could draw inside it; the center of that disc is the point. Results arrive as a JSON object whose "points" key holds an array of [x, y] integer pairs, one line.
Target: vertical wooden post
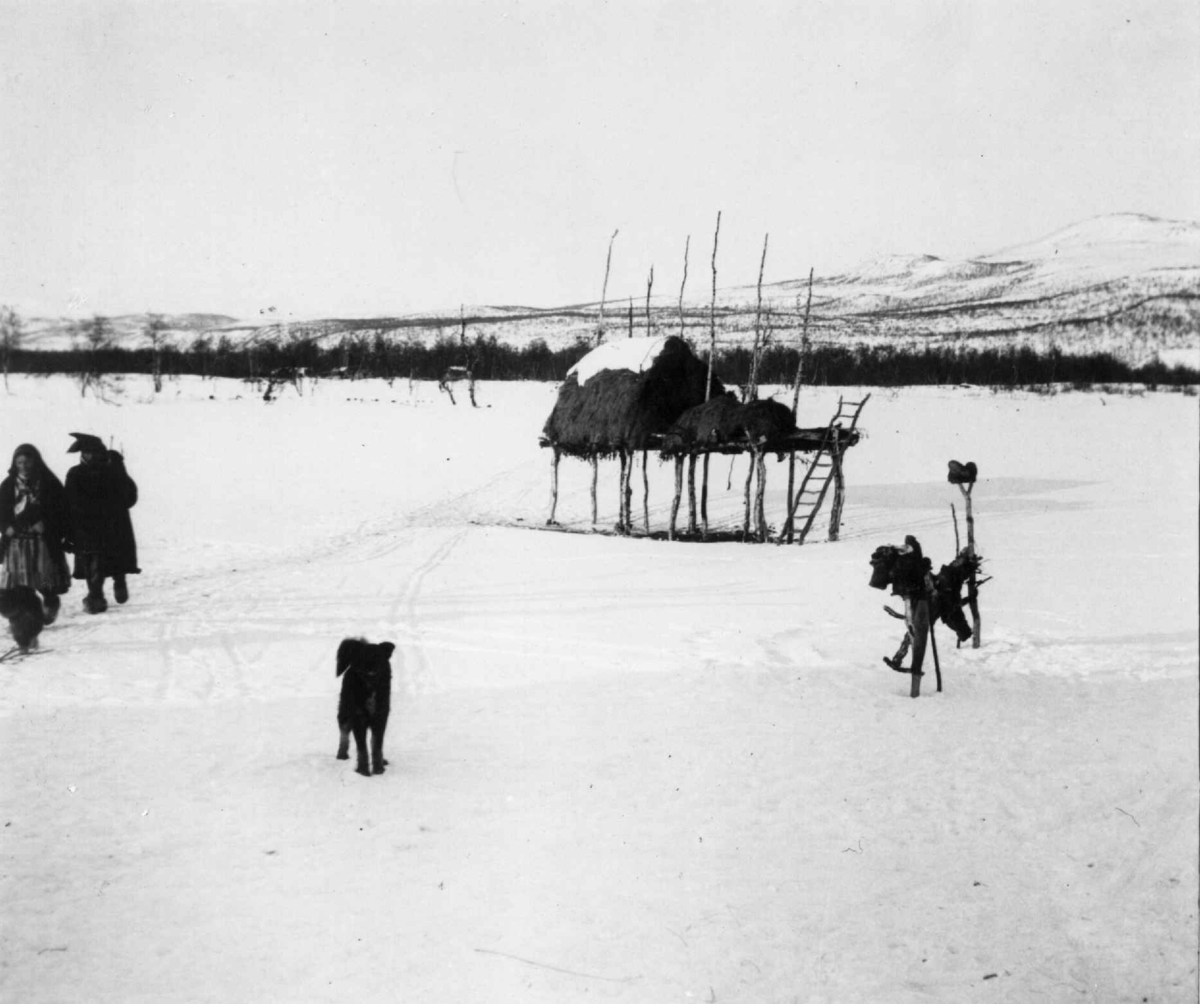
{"points": [[789, 523], [803, 351], [645, 493], [553, 485], [760, 515], [678, 494], [839, 489], [628, 493], [686, 247], [621, 493], [649, 286], [595, 476], [604, 291], [973, 580], [749, 477], [759, 341], [692, 493], [712, 348]]}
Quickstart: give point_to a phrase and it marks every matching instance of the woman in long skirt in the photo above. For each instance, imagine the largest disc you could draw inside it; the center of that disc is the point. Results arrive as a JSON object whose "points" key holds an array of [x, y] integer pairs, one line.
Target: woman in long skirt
{"points": [[33, 526]]}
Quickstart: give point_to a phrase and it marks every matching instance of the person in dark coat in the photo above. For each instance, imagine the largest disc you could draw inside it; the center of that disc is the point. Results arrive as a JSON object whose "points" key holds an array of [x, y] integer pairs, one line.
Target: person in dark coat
{"points": [[100, 494], [33, 527]]}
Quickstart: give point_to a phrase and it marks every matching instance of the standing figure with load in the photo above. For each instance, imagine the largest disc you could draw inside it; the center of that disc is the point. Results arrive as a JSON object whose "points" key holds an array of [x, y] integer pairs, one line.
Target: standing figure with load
{"points": [[927, 598], [100, 494]]}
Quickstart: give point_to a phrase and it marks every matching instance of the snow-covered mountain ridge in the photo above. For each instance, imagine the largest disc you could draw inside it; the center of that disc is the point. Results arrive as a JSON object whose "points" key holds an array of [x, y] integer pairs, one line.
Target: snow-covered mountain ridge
{"points": [[1125, 283]]}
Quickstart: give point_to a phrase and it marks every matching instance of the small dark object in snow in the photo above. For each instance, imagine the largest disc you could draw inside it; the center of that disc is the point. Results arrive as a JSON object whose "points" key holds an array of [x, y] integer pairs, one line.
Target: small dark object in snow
{"points": [[22, 606]]}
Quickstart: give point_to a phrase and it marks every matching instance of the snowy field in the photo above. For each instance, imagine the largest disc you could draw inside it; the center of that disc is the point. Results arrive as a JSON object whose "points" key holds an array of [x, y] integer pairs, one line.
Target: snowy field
{"points": [[621, 769]]}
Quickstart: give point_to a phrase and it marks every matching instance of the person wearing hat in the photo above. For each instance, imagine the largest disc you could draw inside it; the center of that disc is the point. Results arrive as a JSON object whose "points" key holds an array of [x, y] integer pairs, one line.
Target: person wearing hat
{"points": [[99, 494], [33, 526]]}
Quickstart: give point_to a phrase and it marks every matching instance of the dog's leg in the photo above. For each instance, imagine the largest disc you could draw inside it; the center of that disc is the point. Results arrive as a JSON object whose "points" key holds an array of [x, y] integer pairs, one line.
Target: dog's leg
{"points": [[377, 747], [343, 752], [360, 745]]}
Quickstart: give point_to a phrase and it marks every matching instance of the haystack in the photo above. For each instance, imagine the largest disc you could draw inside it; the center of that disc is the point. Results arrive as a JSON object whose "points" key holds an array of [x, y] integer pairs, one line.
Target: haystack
{"points": [[620, 398], [723, 421], [624, 394]]}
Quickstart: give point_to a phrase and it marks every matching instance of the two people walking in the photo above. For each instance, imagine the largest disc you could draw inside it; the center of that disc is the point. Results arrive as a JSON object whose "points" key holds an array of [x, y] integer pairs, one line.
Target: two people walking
{"points": [[41, 519]]}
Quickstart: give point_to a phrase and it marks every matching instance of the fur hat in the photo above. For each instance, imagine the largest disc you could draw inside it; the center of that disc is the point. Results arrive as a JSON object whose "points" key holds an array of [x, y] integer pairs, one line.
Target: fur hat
{"points": [[85, 442], [962, 474]]}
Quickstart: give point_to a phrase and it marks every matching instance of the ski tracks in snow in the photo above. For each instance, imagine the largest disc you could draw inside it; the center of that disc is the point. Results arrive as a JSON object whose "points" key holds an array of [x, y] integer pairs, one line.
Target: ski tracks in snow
{"points": [[405, 616]]}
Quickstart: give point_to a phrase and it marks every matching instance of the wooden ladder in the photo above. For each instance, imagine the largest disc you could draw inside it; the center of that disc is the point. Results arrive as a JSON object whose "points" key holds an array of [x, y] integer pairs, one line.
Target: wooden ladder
{"points": [[825, 469]]}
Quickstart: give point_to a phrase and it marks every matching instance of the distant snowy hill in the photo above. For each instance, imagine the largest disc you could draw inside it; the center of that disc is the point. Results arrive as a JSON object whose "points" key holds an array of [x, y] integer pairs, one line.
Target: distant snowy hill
{"points": [[1125, 283]]}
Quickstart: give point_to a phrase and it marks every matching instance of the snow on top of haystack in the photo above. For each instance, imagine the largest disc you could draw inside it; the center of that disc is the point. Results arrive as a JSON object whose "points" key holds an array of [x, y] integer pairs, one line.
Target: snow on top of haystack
{"points": [[633, 354]]}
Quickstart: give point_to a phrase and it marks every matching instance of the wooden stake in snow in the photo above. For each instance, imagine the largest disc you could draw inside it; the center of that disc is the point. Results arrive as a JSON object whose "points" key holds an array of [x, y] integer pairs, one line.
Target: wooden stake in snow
{"points": [[759, 341], [649, 286], [692, 494], [712, 348], [678, 493], [803, 351], [553, 485], [973, 580], [627, 493], [604, 291], [749, 478], [595, 462], [645, 491], [760, 517], [687, 245], [965, 475], [622, 509]]}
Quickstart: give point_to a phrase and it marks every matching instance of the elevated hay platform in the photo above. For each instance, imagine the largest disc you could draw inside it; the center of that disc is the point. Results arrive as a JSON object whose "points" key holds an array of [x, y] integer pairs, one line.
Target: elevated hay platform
{"points": [[726, 426]]}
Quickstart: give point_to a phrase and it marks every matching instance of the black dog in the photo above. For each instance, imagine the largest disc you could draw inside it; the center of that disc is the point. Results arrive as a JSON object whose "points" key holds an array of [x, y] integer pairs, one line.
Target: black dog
{"points": [[23, 608], [366, 700]]}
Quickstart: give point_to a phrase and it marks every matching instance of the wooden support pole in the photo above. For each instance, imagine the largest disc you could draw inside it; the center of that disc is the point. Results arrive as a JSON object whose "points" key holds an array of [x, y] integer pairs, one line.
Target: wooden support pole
{"points": [[678, 494], [839, 491], [686, 247], [649, 286], [692, 493], [645, 492], [621, 524], [604, 291], [595, 462], [749, 478], [759, 341], [760, 516], [789, 522], [627, 493], [973, 579], [937, 665], [712, 348], [553, 484]]}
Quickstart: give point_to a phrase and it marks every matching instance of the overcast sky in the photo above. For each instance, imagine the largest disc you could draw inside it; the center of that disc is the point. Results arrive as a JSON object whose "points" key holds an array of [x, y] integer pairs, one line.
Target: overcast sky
{"points": [[357, 159]]}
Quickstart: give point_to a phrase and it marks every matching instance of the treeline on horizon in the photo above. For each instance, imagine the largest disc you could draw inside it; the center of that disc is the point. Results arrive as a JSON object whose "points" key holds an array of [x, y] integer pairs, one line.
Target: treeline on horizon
{"points": [[489, 359]]}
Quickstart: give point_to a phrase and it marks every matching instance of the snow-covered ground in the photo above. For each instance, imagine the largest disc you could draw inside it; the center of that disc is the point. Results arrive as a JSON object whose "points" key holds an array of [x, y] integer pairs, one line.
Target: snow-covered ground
{"points": [[621, 769]]}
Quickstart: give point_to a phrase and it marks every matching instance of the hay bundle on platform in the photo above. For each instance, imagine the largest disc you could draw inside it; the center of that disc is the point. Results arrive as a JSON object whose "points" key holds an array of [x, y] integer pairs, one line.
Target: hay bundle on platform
{"points": [[624, 394], [724, 421]]}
